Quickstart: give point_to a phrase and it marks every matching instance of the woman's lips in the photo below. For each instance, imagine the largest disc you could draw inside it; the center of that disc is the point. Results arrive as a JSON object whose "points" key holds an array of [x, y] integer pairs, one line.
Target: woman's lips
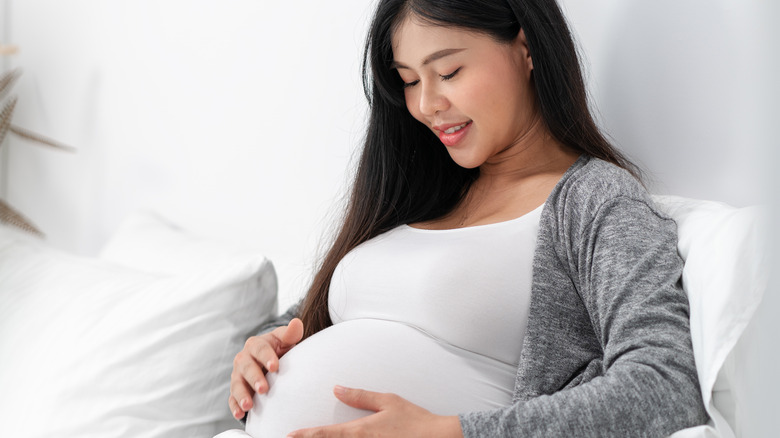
{"points": [[455, 137]]}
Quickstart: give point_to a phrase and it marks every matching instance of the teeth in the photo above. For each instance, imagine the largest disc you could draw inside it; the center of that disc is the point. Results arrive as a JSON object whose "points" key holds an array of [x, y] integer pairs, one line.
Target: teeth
{"points": [[455, 129]]}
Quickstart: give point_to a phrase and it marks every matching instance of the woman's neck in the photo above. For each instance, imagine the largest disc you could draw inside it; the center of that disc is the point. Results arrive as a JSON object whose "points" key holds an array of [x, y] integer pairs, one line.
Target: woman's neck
{"points": [[536, 153], [513, 182]]}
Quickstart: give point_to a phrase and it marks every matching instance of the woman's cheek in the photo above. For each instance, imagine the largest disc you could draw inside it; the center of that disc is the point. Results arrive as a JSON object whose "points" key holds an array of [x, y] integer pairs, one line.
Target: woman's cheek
{"points": [[413, 104]]}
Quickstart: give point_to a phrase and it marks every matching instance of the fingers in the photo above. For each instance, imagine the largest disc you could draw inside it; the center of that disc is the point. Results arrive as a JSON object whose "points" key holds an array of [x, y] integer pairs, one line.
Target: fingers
{"points": [[237, 412], [293, 334], [393, 416], [260, 351], [362, 399], [352, 429], [319, 432], [240, 400], [251, 371], [279, 342], [260, 355], [247, 378]]}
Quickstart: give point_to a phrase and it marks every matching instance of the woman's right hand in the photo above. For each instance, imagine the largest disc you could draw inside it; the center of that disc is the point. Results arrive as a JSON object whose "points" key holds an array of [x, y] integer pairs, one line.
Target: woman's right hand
{"points": [[260, 355]]}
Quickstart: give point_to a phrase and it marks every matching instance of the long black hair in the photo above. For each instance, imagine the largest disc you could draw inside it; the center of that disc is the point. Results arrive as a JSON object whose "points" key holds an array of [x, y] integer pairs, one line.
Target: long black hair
{"points": [[404, 174]]}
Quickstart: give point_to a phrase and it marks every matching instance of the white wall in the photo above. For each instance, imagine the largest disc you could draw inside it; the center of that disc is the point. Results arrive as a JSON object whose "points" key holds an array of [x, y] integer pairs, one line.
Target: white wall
{"points": [[763, 350], [234, 118], [682, 87], [238, 118]]}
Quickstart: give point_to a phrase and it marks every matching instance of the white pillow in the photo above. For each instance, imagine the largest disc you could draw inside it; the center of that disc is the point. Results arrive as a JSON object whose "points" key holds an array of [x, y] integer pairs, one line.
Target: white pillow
{"points": [[90, 348], [151, 243], [725, 275]]}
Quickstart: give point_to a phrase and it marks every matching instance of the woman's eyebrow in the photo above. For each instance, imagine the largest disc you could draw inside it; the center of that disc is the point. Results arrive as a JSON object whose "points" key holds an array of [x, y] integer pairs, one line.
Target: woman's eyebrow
{"points": [[430, 58]]}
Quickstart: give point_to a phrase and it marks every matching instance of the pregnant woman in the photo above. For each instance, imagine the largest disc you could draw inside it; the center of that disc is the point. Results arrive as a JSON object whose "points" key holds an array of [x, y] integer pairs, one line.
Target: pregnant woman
{"points": [[500, 271]]}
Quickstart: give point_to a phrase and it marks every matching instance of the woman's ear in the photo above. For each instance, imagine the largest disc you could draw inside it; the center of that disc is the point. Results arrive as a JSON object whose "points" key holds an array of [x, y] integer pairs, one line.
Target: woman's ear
{"points": [[521, 46]]}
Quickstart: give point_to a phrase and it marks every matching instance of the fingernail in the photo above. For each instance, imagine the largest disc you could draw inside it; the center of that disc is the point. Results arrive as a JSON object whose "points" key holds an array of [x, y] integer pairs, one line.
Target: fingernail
{"points": [[237, 414], [339, 390], [258, 387], [245, 404], [268, 365]]}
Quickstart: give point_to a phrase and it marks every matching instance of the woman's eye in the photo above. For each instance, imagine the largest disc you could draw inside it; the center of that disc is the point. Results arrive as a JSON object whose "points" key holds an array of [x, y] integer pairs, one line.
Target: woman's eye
{"points": [[410, 84], [443, 78], [449, 76]]}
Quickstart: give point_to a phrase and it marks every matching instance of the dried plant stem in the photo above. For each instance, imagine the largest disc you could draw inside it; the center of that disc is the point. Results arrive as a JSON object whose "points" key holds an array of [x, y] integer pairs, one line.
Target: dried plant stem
{"points": [[7, 81], [7, 105], [37, 138], [5, 117], [10, 216]]}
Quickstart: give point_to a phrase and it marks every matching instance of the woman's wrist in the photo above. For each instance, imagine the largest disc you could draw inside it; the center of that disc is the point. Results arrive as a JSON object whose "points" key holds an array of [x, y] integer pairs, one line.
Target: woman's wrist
{"points": [[448, 427]]}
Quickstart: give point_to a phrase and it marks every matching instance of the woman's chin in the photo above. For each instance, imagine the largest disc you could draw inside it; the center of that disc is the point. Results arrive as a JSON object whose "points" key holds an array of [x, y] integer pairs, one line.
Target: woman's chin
{"points": [[466, 161]]}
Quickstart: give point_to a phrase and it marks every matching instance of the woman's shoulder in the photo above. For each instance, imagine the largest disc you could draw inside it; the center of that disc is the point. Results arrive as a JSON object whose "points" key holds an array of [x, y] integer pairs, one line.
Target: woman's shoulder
{"points": [[591, 182], [593, 176], [589, 185]]}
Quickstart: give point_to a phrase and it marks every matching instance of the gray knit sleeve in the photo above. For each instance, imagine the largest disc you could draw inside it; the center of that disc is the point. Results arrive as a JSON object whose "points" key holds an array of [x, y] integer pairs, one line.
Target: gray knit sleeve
{"points": [[622, 261]]}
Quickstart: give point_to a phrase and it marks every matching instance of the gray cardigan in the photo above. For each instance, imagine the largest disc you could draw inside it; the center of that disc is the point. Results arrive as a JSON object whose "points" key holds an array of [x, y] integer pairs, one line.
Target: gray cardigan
{"points": [[607, 350]]}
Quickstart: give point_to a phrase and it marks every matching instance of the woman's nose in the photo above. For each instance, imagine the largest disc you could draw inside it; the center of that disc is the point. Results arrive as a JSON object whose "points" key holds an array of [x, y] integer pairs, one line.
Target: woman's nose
{"points": [[432, 100]]}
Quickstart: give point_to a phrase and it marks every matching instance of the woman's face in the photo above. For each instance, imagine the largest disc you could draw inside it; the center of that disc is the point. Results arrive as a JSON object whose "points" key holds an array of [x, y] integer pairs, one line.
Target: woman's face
{"points": [[474, 93]]}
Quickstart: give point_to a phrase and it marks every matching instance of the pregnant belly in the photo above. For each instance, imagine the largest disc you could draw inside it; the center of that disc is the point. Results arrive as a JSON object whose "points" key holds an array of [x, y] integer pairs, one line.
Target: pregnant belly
{"points": [[376, 355]]}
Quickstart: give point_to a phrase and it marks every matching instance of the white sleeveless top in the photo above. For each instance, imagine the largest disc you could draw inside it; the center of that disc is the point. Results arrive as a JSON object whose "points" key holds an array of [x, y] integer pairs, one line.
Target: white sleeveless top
{"points": [[435, 316]]}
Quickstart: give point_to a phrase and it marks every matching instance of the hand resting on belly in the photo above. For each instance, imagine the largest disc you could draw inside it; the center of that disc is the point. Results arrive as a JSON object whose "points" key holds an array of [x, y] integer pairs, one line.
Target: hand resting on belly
{"points": [[260, 355], [380, 356]]}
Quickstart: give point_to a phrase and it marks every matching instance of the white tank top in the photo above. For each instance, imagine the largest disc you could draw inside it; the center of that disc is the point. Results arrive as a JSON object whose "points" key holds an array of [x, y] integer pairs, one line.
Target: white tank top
{"points": [[467, 287], [435, 316]]}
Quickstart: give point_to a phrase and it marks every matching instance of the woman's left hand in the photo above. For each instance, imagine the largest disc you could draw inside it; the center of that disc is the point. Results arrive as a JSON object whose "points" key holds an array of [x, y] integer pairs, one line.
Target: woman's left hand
{"points": [[394, 417]]}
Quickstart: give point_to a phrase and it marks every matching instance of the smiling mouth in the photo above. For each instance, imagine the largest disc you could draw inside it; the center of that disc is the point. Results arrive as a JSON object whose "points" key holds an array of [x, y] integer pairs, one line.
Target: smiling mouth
{"points": [[452, 129], [455, 129], [453, 135]]}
